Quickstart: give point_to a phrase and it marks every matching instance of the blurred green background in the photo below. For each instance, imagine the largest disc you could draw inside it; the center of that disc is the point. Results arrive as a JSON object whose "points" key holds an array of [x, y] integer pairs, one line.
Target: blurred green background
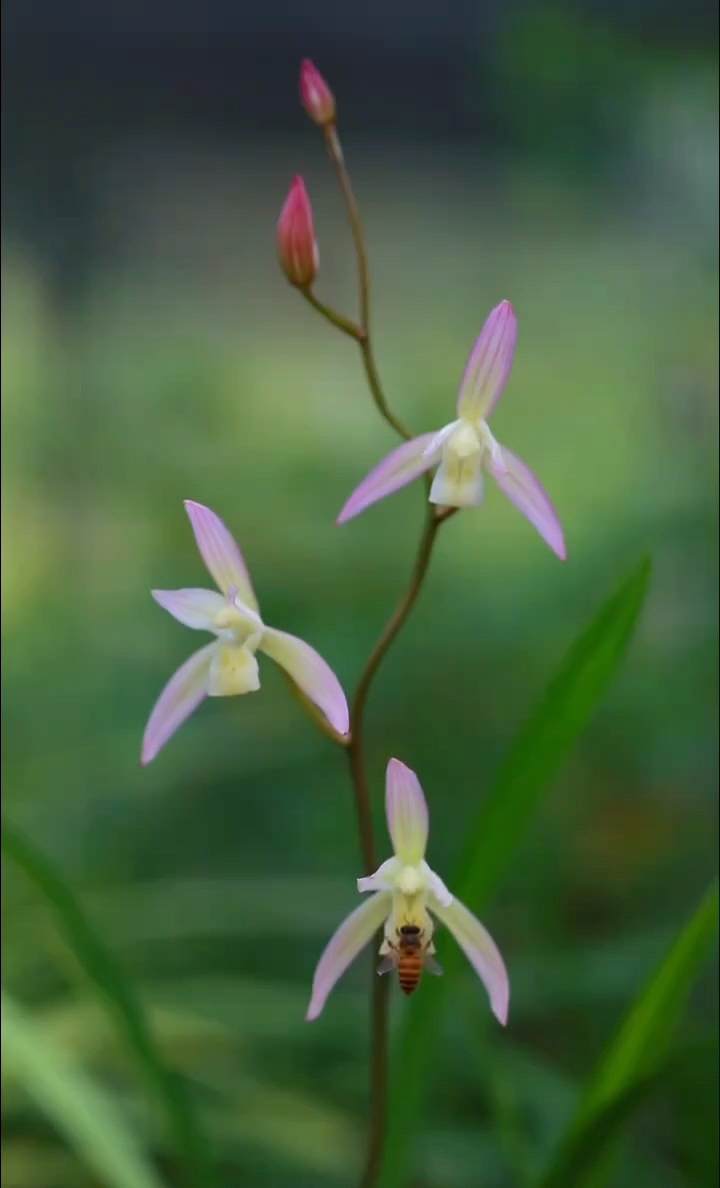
{"points": [[153, 352]]}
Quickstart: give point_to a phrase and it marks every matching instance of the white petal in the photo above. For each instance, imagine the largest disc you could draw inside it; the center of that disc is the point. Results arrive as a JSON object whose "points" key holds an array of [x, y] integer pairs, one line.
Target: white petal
{"points": [[342, 949], [480, 950], [233, 670], [489, 365], [438, 439], [310, 673], [220, 552], [182, 694], [527, 493], [194, 608], [458, 483], [384, 877], [436, 885], [406, 811], [404, 464]]}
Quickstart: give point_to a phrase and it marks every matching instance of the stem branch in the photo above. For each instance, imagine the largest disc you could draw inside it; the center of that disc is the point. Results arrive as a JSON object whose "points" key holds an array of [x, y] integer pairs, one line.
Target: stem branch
{"points": [[337, 319]]}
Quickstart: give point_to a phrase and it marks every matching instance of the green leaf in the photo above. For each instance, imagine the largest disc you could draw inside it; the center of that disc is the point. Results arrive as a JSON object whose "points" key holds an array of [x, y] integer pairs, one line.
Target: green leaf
{"points": [[78, 1107], [533, 762], [102, 969], [635, 1058]]}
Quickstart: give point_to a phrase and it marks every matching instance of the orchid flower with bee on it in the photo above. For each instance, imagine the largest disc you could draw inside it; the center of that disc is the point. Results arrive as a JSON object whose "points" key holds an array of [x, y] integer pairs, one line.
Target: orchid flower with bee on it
{"points": [[228, 666], [466, 448], [406, 894]]}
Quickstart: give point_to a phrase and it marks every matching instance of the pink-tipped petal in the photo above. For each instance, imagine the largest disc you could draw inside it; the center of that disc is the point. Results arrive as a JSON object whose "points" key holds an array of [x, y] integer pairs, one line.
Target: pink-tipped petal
{"points": [[310, 673], [407, 813], [194, 608], [529, 496], [488, 367], [182, 694], [480, 950], [404, 464], [220, 552], [342, 949]]}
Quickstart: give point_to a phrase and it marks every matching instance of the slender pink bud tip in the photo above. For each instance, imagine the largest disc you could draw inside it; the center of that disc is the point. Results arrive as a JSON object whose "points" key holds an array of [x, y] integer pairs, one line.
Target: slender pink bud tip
{"points": [[317, 98], [297, 249]]}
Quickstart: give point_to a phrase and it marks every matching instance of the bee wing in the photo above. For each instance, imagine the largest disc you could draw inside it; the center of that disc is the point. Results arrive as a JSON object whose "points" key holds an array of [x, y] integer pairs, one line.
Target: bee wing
{"points": [[432, 966], [387, 964]]}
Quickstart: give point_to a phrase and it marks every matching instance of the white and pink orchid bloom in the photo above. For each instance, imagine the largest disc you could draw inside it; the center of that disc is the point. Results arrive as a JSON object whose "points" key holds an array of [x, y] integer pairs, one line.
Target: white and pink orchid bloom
{"points": [[465, 448], [405, 891], [228, 666]]}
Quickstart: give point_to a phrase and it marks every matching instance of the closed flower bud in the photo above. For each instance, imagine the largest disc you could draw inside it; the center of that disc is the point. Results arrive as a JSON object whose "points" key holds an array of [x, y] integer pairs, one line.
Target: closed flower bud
{"points": [[317, 98], [297, 249]]}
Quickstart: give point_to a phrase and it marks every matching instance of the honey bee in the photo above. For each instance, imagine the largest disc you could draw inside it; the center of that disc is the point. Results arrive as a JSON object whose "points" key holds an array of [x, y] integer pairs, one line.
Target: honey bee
{"points": [[409, 956]]}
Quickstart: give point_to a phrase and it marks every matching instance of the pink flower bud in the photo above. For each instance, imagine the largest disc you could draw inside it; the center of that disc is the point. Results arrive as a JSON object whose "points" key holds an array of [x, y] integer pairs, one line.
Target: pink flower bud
{"points": [[317, 98], [297, 249]]}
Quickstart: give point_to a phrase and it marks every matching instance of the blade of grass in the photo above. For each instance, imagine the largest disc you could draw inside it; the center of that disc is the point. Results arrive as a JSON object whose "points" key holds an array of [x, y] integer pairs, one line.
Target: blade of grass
{"points": [[104, 971], [79, 1108], [534, 761], [630, 1067]]}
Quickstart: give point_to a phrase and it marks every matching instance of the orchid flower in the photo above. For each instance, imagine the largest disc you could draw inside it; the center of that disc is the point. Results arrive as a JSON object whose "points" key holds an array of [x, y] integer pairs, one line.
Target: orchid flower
{"points": [[405, 892], [228, 666], [466, 447]]}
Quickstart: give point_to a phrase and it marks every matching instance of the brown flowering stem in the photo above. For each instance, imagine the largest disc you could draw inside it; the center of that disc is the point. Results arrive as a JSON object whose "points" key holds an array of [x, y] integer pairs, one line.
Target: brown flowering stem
{"points": [[335, 153], [435, 517], [334, 148], [373, 380], [379, 1078], [381, 986]]}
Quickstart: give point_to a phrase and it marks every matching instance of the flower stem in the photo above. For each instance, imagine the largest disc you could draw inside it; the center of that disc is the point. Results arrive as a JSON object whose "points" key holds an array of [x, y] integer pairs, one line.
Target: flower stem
{"points": [[379, 1088], [354, 746], [381, 986], [335, 153], [434, 518]]}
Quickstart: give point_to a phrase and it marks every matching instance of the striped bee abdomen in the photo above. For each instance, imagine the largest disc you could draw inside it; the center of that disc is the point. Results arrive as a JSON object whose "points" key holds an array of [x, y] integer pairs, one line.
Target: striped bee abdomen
{"points": [[409, 968]]}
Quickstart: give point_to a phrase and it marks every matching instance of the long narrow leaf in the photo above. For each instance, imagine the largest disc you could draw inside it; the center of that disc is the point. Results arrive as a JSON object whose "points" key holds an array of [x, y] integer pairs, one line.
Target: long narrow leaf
{"points": [[533, 762], [102, 968], [631, 1064], [80, 1109]]}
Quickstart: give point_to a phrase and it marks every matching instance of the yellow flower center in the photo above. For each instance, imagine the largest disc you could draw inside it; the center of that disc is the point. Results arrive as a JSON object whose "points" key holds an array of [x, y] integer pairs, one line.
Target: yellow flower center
{"points": [[239, 626]]}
